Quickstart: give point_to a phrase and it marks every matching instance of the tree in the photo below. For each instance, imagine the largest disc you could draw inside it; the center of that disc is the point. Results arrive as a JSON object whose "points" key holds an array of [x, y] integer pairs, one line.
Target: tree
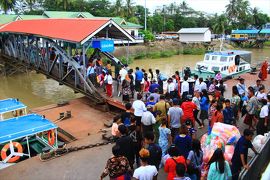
{"points": [[220, 24], [129, 8], [184, 7], [118, 9], [169, 26], [7, 5], [133, 20]]}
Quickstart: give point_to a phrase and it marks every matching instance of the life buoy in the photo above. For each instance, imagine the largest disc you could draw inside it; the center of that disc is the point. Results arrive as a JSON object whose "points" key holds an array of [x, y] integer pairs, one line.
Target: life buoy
{"points": [[7, 147], [51, 137]]}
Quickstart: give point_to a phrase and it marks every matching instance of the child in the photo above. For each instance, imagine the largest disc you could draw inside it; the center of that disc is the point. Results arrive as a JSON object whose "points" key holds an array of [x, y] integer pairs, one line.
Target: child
{"points": [[165, 138], [191, 130], [116, 122], [180, 172], [228, 113], [216, 117]]}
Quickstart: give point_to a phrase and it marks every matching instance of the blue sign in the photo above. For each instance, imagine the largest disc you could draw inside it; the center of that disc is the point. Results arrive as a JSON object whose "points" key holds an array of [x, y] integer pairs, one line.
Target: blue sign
{"points": [[103, 45]]}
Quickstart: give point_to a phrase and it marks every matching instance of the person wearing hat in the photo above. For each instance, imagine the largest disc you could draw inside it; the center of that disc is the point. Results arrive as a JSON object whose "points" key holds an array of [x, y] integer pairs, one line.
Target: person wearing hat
{"points": [[188, 107], [148, 120]]}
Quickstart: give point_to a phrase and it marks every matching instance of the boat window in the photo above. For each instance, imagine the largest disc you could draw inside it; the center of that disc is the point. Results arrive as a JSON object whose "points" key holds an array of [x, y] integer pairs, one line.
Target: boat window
{"points": [[215, 68], [231, 59], [214, 58], [223, 59], [227, 67], [222, 69], [206, 57]]}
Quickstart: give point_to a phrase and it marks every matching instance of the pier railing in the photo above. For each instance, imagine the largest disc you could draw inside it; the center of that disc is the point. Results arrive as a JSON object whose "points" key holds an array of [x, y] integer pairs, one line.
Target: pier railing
{"points": [[258, 163]]}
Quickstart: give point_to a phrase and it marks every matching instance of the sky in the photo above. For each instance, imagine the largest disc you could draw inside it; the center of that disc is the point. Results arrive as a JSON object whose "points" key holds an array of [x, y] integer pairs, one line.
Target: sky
{"points": [[209, 6]]}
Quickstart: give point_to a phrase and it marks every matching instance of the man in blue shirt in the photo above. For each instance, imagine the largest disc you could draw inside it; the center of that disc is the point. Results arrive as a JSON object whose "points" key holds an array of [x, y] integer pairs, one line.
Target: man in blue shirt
{"points": [[239, 158], [228, 113], [153, 86], [138, 79]]}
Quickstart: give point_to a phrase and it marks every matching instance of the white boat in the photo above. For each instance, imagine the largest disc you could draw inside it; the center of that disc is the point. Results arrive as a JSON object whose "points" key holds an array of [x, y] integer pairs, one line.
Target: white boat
{"points": [[229, 63]]}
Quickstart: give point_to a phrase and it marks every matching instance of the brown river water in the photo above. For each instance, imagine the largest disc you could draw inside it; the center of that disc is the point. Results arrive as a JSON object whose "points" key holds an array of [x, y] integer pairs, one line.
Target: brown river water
{"points": [[36, 90]]}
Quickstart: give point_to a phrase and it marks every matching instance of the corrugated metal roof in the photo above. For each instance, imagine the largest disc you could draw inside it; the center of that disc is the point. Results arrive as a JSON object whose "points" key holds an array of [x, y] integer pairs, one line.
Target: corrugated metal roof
{"points": [[245, 31], [7, 18], [67, 14], [192, 30], [73, 30], [77, 30], [28, 17], [265, 31]]}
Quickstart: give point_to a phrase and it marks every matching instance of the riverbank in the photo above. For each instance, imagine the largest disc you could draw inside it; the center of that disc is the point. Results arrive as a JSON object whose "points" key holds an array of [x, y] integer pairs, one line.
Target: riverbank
{"points": [[164, 49]]}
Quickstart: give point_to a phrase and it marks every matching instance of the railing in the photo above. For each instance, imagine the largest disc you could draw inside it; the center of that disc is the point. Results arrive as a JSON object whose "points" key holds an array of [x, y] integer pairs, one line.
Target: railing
{"points": [[258, 163]]}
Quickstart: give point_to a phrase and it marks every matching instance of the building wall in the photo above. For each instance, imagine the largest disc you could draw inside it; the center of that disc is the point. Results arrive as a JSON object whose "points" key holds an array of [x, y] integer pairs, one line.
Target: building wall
{"points": [[136, 32], [203, 37]]}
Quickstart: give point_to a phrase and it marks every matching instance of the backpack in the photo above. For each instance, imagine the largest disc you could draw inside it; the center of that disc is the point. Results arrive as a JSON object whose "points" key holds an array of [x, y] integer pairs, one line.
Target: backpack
{"points": [[163, 77], [133, 136]]}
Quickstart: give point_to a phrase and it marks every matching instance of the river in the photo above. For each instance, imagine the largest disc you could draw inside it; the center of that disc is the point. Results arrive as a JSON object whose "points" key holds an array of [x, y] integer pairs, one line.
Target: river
{"points": [[36, 90]]}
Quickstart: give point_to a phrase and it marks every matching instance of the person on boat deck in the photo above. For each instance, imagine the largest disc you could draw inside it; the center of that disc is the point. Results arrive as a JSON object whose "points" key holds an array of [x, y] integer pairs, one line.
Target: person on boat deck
{"points": [[263, 71], [241, 87], [218, 76], [258, 85], [202, 85], [184, 88], [113, 169]]}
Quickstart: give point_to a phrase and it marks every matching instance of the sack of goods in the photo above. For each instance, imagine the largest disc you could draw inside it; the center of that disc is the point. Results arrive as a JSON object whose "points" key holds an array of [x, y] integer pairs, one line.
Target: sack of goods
{"points": [[222, 136]]}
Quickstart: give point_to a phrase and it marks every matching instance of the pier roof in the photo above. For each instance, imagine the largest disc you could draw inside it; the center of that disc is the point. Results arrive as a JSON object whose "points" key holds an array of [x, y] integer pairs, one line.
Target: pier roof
{"points": [[70, 30]]}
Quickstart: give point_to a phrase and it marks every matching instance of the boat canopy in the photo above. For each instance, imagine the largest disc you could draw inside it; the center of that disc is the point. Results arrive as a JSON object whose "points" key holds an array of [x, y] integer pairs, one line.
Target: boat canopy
{"points": [[11, 104], [245, 55], [24, 126]]}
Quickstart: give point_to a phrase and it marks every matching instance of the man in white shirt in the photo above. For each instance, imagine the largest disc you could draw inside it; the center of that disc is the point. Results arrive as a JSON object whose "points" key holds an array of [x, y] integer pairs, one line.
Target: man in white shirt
{"points": [[202, 85], [197, 83], [148, 120], [241, 87], [139, 108], [184, 88], [263, 121], [122, 73]]}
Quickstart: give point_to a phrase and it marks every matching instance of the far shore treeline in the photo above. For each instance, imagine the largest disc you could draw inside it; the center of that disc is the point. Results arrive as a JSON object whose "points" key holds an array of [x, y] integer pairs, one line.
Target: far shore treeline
{"points": [[238, 13]]}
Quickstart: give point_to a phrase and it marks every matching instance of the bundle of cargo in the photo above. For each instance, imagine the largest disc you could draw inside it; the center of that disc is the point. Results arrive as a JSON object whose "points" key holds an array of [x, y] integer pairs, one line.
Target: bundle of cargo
{"points": [[222, 136]]}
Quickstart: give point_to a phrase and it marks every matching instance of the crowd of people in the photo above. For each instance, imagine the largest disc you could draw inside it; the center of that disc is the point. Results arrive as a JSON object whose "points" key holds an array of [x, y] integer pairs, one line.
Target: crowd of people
{"points": [[161, 133]]}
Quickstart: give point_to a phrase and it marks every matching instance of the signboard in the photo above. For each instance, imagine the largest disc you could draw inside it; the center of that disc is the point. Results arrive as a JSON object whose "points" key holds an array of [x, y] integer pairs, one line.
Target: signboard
{"points": [[103, 45]]}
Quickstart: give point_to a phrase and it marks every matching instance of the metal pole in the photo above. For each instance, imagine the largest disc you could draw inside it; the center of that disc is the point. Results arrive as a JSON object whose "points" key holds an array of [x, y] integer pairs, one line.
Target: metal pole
{"points": [[84, 65], [28, 149], [56, 140], [145, 25]]}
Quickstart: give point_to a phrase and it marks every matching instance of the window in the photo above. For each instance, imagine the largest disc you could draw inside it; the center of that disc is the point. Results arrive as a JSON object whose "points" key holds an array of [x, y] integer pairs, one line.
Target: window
{"points": [[231, 59], [214, 68], [214, 58], [241, 35], [206, 57], [223, 59], [132, 33]]}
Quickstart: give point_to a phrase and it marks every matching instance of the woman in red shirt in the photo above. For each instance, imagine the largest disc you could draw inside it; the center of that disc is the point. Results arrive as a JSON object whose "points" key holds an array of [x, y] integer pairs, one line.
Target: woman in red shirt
{"points": [[170, 164], [188, 107], [217, 116]]}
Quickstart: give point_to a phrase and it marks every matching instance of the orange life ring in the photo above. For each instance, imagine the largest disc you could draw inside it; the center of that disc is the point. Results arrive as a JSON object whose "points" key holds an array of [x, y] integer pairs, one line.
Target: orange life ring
{"points": [[51, 137], [6, 147]]}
